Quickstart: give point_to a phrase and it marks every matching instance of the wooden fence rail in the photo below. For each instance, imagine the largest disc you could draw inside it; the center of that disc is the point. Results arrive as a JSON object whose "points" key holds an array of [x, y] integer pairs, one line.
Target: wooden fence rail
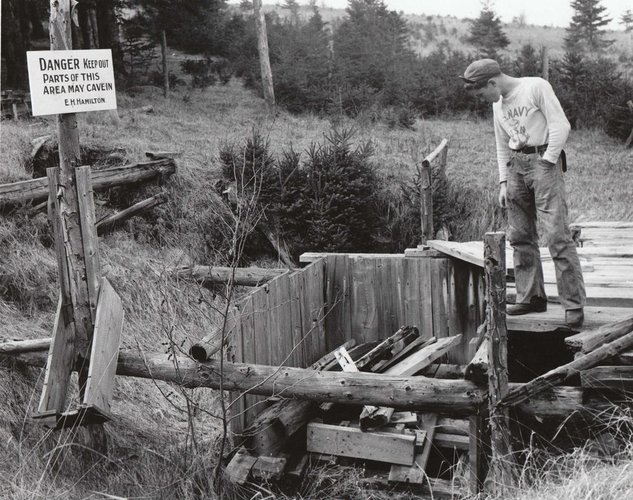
{"points": [[36, 190]]}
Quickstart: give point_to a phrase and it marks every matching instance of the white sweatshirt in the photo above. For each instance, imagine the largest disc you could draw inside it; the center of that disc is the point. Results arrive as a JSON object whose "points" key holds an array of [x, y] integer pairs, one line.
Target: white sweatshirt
{"points": [[530, 115]]}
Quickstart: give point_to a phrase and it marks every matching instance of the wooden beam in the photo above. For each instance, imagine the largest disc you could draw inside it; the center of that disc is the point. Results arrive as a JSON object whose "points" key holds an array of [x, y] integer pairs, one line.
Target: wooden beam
{"points": [[477, 369], [613, 378], [424, 357], [22, 346], [36, 190], [455, 441], [589, 340], [105, 348], [405, 335], [556, 402], [416, 474], [476, 455], [275, 426], [416, 345], [108, 223], [501, 466], [214, 275], [351, 442], [372, 416], [562, 373]]}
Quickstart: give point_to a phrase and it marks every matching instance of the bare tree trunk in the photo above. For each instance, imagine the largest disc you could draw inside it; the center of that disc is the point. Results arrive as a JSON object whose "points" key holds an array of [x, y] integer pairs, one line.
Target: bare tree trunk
{"points": [[264, 59], [163, 51]]}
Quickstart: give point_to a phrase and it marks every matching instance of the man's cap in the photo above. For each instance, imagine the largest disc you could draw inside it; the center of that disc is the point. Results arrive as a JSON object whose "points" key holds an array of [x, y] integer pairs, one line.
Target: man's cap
{"points": [[480, 70]]}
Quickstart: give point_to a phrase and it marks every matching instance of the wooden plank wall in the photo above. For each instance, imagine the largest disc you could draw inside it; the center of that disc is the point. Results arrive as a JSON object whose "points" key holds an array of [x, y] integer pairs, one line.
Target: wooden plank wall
{"points": [[281, 323], [299, 316], [370, 297]]}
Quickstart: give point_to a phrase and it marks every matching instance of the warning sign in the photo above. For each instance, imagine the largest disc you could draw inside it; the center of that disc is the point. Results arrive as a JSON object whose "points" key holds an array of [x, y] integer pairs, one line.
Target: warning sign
{"points": [[71, 81]]}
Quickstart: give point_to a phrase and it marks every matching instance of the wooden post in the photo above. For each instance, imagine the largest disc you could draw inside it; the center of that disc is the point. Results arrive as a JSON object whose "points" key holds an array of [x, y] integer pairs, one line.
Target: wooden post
{"points": [[69, 159], [501, 467], [264, 60], [426, 189], [163, 51], [426, 202], [544, 63], [476, 455]]}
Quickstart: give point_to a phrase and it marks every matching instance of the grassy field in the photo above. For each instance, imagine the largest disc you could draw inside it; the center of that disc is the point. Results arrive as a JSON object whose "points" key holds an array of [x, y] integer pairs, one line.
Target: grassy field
{"points": [[163, 439]]}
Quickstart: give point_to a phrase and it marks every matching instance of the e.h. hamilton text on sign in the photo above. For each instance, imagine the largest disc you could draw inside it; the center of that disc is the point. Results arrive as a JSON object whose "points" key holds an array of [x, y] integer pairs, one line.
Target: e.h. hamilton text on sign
{"points": [[71, 81]]}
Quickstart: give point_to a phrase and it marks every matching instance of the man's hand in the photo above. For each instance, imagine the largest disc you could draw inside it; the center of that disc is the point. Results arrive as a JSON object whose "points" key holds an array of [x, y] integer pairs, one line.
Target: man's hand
{"points": [[502, 194]]}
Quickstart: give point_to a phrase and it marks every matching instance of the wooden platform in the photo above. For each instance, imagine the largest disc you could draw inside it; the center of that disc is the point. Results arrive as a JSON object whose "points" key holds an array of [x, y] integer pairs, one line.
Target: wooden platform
{"points": [[606, 258]]}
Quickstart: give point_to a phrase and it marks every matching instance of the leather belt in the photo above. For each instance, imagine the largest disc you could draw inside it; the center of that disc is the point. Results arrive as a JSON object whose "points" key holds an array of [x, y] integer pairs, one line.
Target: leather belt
{"points": [[529, 150]]}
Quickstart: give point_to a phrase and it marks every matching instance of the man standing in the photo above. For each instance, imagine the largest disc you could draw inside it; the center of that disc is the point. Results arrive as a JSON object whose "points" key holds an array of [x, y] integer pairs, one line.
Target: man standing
{"points": [[530, 131]]}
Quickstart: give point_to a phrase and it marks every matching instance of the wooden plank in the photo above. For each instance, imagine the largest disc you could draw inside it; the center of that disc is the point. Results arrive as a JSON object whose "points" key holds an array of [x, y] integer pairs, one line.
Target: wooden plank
{"points": [[424, 357], [596, 296], [58, 366], [105, 348], [561, 373], [416, 474], [613, 378], [426, 297], [337, 281], [263, 344], [87, 221], [299, 354], [268, 468], [36, 190], [554, 319], [279, 349], [412, 279], [405, 335], [314, 302], [242, 344], [397, 276], [476, 455], [455, 441], [388, 312], [54, 219], [440, 297], [351, 442], [403, 417], [364, 308], [308, 257], [589, 340], [417, 344], [239, 468], [448, 425]]}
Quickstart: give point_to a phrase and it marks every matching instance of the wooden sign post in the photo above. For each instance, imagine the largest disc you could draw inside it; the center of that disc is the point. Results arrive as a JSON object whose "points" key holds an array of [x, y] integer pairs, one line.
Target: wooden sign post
{"points": [[87, 303]]}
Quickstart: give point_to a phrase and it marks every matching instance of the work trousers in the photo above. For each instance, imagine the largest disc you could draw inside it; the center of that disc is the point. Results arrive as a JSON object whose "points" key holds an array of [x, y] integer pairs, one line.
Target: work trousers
{"points": [[536, 190]]}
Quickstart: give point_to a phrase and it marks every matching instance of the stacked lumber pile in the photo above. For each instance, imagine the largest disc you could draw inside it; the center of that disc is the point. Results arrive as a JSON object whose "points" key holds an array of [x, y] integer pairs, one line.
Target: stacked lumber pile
{"points": [[392, 447]]}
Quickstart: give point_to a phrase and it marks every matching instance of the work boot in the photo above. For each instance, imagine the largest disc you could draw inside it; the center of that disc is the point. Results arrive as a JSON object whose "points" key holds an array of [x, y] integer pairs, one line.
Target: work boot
{"points": [[574, 318], [536, 305]]}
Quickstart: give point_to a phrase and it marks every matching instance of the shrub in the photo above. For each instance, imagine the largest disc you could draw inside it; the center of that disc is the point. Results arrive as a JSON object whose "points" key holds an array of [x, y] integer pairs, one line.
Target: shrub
{"points": [[327, 201], [201, 72]]}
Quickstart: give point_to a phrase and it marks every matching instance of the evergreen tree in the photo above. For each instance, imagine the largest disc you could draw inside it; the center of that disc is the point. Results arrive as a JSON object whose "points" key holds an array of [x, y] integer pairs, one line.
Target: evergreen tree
{"points": [[486, 33], [627, 20], [585, 31], [528, 61], [373, 63]]}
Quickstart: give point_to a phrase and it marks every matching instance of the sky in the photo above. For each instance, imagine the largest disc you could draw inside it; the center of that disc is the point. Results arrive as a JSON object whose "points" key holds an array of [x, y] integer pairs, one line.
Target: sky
{"points": [[539, 12]]}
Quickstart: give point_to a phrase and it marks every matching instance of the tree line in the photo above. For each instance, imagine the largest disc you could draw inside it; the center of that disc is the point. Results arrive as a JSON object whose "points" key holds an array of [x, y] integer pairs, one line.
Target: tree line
{"points": [[361, 64]]}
